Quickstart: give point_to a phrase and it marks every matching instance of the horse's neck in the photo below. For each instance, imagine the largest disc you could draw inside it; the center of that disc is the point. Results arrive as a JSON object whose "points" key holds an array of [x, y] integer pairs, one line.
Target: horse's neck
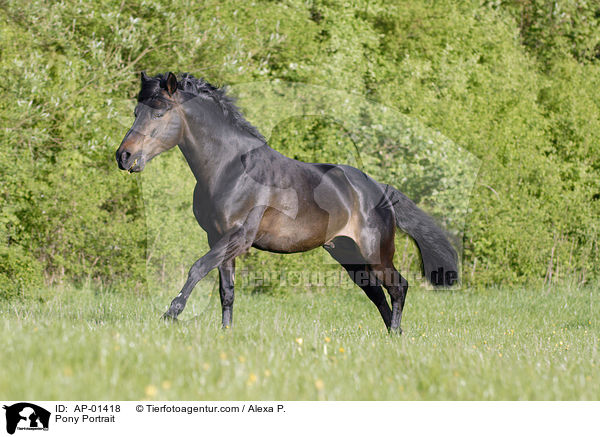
{"points": [[208, 151]]}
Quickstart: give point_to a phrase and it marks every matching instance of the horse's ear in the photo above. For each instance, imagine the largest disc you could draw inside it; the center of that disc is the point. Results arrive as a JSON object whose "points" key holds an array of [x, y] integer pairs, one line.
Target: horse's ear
{"points": [[145, 77], [171, 84]]}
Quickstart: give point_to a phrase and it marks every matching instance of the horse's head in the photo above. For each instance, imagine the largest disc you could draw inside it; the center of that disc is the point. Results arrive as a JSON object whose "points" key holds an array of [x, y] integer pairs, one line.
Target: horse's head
{"points": [[158, 124]]}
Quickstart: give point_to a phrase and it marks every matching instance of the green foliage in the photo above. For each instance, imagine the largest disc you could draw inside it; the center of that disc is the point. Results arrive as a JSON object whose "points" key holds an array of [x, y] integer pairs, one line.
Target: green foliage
{"points": [[20, 273], [551, 29], [513, 83]]}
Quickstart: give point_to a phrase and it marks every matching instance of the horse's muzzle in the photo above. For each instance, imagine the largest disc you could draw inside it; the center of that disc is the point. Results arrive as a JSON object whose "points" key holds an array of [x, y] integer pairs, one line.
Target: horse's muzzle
{"points": [[129, 154], [129, 162]]}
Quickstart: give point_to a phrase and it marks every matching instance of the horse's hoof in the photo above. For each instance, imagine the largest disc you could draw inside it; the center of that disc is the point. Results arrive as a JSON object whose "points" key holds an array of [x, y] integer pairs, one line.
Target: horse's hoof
{"points": [[169, 318], [395, 331]]}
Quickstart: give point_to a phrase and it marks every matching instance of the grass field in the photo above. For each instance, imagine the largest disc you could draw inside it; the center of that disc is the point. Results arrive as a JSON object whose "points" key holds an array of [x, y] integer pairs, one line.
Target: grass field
{"points": [[495, 344]]}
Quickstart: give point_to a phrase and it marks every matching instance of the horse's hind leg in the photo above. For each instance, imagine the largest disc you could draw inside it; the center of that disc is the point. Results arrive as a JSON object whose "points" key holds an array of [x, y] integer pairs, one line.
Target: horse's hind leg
{"points": [[379, 256], [362, 277], [397, 288], [226, 278], [345, 251]]}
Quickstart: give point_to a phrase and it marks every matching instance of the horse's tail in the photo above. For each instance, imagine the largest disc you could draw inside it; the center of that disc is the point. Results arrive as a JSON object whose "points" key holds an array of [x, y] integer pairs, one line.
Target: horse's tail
{"points": [[439, 259]]}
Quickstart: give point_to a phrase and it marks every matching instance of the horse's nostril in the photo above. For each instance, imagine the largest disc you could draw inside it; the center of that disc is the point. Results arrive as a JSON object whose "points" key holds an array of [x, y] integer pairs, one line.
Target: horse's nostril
{"points": [[125, 157]]}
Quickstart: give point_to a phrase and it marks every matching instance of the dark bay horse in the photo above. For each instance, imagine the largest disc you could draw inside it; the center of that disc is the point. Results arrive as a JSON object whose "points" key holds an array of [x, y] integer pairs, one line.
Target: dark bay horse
{"points": [[249, 195]]}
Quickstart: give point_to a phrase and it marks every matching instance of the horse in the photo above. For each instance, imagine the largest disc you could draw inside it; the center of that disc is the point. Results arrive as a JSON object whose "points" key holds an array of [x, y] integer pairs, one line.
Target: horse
{"points": [[249, 195]]}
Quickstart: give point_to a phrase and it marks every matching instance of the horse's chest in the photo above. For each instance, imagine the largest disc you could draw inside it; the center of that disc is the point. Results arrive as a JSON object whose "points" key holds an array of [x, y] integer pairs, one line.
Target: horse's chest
{"points": [[215, 213]]}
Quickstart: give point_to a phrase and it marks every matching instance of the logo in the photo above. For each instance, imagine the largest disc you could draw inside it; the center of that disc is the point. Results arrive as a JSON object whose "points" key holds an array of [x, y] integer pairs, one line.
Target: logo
{"points": [[26, 416], [439, 277]]}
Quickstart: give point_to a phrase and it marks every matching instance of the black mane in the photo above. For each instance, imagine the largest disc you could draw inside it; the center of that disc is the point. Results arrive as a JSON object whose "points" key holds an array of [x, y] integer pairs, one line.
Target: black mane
{"points": [[200, 87]]}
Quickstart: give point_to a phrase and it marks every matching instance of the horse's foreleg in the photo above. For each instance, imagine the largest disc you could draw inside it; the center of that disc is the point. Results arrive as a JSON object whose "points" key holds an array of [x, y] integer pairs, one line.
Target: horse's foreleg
{"points": [[226, 280], [228, 247]]}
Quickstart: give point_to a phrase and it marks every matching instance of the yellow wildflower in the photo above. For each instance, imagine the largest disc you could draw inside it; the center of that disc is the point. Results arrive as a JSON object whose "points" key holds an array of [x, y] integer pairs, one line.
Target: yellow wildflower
{"points": [[151, 391]]}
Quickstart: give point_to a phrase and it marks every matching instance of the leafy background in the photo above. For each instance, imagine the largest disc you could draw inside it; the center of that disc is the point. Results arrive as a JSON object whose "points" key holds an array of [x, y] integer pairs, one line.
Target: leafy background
{"points": [[512, 82]]}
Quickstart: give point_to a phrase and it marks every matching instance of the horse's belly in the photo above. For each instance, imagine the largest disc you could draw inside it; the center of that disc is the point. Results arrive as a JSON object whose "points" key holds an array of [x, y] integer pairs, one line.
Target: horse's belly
{"points": [[280, 233], [285, 244]]}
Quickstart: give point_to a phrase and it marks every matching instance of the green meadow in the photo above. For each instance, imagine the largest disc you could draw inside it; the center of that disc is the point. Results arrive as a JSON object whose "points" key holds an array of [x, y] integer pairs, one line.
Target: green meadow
{"points": [[509, 344]]}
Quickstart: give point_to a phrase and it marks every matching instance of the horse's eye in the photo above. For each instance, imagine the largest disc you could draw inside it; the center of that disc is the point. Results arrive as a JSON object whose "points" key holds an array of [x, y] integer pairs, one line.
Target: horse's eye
{"points": [[158, 114]]}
